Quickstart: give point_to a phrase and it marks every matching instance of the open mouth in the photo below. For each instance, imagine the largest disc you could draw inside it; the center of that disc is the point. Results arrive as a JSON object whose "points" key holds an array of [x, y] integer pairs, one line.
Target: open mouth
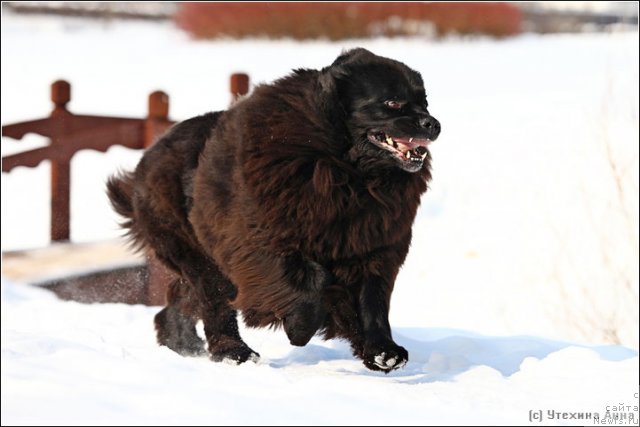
{"points": [[412, 150]]}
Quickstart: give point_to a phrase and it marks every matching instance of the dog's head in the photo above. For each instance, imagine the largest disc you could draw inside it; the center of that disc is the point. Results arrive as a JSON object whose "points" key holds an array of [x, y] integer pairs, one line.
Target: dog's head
{"points": [[384, 107]]}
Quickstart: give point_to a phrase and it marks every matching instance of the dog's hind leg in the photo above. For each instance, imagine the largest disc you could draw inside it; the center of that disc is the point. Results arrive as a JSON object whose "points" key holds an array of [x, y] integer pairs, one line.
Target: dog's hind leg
{"points": [[204, 293], [220, 320], [214, 291], [176, 323], [209, 295]]}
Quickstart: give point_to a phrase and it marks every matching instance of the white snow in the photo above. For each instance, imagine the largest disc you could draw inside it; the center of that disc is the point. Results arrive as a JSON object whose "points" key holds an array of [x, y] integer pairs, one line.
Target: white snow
{"points": [[524, 234], [65, 363]]}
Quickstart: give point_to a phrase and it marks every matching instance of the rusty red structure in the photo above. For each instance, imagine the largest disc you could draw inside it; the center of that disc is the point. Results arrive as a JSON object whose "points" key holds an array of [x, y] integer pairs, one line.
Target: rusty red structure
{"points": [[69, 133]]}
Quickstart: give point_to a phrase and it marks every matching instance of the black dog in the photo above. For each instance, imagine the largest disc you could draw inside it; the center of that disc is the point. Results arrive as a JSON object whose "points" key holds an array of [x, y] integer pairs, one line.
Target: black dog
{"points": [[294, 206]]}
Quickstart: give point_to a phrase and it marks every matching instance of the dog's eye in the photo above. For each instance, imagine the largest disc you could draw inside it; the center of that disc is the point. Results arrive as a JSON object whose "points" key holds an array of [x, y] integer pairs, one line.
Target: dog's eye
{"points": [[395, 105]]}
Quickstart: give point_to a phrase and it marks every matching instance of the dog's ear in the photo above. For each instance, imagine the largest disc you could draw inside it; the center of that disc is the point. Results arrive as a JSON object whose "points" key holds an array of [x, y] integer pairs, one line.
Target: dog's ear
{"points": [[331, 82], [330, 79], [351, 56], [333, 76]]}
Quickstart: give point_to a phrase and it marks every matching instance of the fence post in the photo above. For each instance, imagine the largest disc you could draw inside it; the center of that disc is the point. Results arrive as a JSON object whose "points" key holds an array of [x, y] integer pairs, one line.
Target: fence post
{"points": [[157, 120], [159, 277], [60, 96], [60, 171], [60, 212], [239, 85]]}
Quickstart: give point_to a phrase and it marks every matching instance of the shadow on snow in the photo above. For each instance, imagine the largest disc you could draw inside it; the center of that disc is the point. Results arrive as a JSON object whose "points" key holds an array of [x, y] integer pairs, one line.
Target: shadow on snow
{"points": [[443, 354]]}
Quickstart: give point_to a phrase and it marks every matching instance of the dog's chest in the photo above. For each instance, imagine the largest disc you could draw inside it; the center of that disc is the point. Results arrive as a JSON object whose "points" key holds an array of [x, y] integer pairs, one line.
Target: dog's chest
{"points": [[370, 224]]}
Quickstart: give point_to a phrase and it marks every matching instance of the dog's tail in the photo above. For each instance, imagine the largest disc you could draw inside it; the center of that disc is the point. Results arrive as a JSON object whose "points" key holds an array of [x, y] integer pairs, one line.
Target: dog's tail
{"points": [[120, 192]]}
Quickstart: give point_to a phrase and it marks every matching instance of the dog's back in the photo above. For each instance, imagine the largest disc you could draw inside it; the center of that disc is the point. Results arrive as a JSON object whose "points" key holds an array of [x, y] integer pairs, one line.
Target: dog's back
{"points": [[157, 195]]}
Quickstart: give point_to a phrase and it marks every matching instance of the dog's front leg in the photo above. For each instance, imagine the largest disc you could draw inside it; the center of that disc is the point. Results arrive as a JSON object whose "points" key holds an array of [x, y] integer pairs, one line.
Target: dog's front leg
{"points": [[379, 352], [307, 279]]}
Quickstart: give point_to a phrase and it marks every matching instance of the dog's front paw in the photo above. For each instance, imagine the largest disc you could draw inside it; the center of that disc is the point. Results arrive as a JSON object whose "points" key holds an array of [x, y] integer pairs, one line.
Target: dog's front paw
{"points": [[303, 322], [385, 357]]}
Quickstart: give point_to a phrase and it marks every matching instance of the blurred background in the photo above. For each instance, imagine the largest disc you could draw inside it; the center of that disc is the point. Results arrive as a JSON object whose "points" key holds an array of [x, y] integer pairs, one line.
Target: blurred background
{"points": [[530, 226]]}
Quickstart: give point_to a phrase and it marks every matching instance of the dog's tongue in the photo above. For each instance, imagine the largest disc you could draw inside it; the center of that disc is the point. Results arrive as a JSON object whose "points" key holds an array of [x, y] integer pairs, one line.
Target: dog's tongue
{"points": [[412, 143]]}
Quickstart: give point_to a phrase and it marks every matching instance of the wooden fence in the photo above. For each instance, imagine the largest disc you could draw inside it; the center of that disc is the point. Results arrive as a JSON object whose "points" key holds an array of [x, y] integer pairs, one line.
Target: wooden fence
{"points": [[69, 133]]}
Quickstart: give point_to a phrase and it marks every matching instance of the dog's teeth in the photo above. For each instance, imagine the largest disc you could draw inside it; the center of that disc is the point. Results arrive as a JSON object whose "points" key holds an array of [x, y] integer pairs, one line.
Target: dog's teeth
{"points": [[389, 140], [424, 155], [408, 155], [410, 140]]}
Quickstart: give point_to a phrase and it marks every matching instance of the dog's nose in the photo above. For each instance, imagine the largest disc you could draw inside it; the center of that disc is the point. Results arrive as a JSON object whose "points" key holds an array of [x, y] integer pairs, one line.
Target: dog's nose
{"points": [[431, 124], [426, 122]]}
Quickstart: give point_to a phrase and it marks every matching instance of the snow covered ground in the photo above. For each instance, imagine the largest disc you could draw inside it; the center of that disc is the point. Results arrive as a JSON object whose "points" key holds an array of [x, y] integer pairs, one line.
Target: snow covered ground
{"points": [[65, 363], [530, 230]]}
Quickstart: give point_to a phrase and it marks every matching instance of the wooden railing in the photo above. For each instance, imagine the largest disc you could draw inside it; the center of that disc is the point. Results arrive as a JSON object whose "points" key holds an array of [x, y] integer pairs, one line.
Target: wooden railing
{"points": [[69, 133]]}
